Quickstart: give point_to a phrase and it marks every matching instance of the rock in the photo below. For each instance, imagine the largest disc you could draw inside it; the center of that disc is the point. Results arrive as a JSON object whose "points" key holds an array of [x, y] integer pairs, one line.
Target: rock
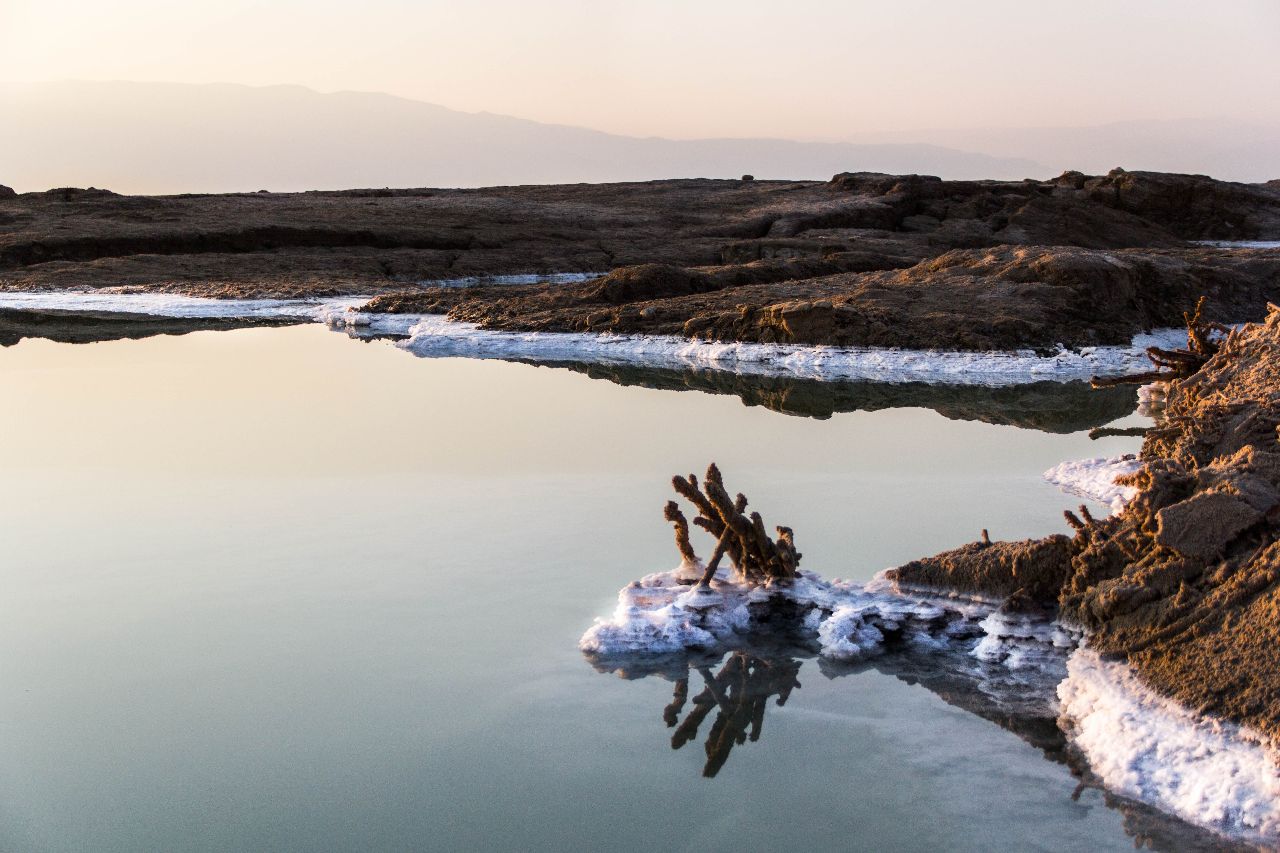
{"points": [[6, 192], [1033, 570], [920, 222], [748, 177], [648, 281], [1204, 524], [1074, 180]]}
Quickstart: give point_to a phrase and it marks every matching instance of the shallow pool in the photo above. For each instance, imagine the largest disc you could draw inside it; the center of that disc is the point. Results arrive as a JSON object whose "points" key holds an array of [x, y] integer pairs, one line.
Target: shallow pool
{"points": [[280, 589]]}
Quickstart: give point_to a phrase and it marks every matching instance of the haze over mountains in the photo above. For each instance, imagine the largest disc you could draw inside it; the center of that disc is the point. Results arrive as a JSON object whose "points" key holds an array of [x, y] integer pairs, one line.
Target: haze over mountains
{"points": [[171, 138]]}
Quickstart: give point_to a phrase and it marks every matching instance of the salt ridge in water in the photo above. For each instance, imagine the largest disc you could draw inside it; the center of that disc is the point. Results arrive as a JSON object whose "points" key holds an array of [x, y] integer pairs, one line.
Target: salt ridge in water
{"points": [[177, 305], [1095, 479], [669, 612], [1239, 244], [435, 336]]}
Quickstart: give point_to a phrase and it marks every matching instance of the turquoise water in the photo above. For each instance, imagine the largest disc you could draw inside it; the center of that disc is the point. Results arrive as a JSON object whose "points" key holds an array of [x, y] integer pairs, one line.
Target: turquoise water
{"points": [[276, 589]]}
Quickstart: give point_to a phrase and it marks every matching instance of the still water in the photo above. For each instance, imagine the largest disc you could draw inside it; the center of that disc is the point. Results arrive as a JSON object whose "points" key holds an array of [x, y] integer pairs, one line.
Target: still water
{"points": [[276, 589]]}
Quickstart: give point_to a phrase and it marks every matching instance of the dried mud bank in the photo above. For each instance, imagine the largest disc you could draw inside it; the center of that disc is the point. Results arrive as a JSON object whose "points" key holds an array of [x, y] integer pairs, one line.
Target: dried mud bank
{"points": [[860, 261], [1153, 634], [973, 300]]}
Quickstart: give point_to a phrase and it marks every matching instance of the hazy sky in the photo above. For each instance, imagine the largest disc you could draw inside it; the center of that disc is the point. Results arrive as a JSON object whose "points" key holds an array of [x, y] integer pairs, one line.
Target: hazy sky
{"points": [[798, 68]]}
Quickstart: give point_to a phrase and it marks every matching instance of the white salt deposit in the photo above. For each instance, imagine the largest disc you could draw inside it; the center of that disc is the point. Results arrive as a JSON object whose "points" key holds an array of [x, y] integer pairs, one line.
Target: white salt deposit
{"points": [[1240, 244], [1018, 641], [1152, 749], [1095, 479], [436, 336], [176, 305], [662, 614], [1151, 398]]}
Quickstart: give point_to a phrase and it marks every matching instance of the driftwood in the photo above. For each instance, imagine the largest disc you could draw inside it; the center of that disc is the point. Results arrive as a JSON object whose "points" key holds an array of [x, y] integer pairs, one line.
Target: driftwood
{"points": [[755, 557], [1175, 363], [673, 514], [740, 692]]}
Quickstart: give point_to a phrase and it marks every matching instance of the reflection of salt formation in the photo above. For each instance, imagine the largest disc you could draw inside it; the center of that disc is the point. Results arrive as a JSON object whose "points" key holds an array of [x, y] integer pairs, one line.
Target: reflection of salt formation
{"points": [[739, 692]]}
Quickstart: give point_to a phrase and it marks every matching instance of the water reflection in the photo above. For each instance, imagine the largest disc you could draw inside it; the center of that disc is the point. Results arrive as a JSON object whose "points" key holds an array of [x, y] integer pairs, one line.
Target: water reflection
{"points": [[738, 692], [86, 327], [739, 687], [1054, 407]]}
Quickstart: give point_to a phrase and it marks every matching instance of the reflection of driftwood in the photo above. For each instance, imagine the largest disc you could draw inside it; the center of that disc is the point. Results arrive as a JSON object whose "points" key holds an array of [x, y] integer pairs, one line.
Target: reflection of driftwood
{"points": [[740, 691], [1176, 363], [742, 538], [1111, 432]]}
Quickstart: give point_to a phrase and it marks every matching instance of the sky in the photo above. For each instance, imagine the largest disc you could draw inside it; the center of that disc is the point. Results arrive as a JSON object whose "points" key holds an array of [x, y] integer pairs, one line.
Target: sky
{"points": [[801, 69]]}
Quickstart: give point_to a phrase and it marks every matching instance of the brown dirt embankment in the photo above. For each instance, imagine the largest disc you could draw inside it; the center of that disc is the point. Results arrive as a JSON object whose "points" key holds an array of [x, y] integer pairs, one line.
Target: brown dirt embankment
{"points": [[1007, 297], [1185, 582]]}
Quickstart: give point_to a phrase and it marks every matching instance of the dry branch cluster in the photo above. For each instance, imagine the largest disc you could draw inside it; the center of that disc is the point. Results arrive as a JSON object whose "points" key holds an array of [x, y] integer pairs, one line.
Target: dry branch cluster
{"points": [[756, 558]]}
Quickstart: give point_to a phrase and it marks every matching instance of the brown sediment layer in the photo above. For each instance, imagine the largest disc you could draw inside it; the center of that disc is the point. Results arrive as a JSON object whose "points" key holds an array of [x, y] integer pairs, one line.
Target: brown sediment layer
{"points": [[1185, 582], [863, 259], [1003, 298]]}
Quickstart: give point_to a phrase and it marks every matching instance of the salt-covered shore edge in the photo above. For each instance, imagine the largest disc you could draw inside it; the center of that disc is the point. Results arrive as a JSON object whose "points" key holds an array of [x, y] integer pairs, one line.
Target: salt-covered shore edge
{"points": [[435, 336], [1149, 748], [1135, 742]]}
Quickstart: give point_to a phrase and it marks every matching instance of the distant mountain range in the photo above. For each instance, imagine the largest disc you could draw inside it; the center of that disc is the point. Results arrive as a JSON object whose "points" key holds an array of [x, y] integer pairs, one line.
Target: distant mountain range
{"points": [[1224, 148], [170, 138]]}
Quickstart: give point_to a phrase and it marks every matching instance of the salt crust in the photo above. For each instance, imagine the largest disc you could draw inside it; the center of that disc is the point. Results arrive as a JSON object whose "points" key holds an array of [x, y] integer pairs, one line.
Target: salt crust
{"points": [[1095, 479], [1150, 748]]}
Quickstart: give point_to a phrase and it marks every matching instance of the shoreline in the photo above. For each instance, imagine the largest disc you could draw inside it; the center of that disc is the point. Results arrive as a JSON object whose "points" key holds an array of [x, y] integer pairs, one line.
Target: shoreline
{"points": [[437, 336]]}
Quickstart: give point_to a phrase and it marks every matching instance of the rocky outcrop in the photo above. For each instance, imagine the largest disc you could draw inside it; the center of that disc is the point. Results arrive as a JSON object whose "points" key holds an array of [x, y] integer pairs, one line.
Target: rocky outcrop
{"points": [[371, 241]]}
